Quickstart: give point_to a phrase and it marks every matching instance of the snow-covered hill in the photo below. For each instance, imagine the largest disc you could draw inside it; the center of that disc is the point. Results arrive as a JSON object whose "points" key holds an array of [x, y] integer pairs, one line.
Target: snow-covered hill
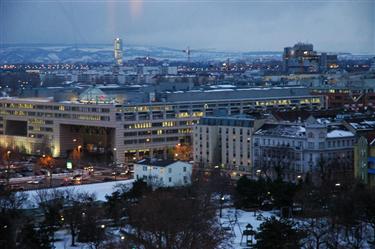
{"points": [[104, 53]]}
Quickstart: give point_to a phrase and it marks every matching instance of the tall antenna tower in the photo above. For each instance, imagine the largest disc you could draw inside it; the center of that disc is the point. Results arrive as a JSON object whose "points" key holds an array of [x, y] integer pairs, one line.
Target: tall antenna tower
{"points": [[188, 52]]}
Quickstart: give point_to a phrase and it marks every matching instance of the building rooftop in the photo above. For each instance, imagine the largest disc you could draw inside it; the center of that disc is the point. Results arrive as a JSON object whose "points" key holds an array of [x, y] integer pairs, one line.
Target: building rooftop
{"points": [[284, 130], [339, 133], [362, 124], [41, 100], [156, 162], [237, 120], [280, 130], [237, 93]]}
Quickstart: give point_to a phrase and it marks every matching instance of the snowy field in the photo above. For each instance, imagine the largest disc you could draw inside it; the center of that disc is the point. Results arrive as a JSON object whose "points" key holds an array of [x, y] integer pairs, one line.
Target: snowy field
{"points": [[99, 189]]}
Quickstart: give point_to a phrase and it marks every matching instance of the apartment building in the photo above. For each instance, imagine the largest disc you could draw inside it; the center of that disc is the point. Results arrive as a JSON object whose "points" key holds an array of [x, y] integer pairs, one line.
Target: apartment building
{"points": [[364, 160], [294, 149]]}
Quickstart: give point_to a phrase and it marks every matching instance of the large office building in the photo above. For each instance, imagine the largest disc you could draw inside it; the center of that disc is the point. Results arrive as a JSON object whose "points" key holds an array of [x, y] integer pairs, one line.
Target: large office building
{"points": [[131, 130]]}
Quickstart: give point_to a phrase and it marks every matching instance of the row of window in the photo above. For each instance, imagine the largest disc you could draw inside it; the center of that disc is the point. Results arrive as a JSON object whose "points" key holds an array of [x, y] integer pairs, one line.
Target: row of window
{"points": [[40, 128], [57, 115], [55, 107], [149, 140]]}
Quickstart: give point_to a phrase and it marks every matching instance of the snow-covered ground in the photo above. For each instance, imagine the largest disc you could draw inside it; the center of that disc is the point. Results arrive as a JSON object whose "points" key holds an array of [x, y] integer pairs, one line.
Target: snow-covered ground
{"points": [[238, 225], [228, 220], [64, 239], [99, 189]]}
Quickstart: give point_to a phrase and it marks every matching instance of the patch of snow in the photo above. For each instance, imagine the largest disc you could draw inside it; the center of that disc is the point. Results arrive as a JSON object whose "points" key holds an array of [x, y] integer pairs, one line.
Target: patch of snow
{"points": [[53, 56], [243, 218], [99, 189], [339, 133]]}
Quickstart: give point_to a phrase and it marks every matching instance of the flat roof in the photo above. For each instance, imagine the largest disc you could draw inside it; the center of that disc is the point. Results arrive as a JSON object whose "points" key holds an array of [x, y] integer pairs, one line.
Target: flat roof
{"points": [[244, 93], [156, 162], [41, 100]]}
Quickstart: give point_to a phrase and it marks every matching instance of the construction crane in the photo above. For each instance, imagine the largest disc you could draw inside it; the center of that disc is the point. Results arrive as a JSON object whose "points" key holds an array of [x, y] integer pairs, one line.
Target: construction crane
{"points": [[188, 52]]}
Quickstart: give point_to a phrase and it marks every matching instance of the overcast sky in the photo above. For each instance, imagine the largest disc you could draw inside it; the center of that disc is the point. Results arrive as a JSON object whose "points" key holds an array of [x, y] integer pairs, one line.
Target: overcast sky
{"points": [[237, 25]]}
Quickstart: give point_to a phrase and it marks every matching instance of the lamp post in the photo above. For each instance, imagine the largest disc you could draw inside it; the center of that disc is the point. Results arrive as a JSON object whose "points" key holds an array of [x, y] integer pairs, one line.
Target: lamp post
{"points": [[221, 205], [114, 163], [8, 166]]}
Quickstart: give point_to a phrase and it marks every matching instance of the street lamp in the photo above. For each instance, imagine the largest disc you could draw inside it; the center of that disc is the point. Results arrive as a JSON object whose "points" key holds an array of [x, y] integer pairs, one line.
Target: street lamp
{"points": [[258, 172], [8, 166], [114, 163], [221, 205]]}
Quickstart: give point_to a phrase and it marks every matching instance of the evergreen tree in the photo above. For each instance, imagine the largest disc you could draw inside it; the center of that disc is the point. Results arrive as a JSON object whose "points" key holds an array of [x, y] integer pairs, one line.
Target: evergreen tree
{"points": [[32, 238], [278, 234], [250, 193]]}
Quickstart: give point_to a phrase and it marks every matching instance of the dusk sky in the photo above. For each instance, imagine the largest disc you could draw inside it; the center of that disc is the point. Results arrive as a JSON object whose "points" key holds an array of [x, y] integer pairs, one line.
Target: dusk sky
{"points": [[242, 25]]}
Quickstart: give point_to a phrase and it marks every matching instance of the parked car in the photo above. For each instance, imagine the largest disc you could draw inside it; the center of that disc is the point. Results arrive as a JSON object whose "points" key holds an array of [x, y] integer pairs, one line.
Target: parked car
{"points": [[17, 188], [35, 181]]}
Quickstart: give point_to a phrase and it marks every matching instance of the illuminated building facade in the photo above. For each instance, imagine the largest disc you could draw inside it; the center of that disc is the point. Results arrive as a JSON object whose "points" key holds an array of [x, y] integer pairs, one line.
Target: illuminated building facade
{"points": [[301, 58], [131, 131], [351, 98]]}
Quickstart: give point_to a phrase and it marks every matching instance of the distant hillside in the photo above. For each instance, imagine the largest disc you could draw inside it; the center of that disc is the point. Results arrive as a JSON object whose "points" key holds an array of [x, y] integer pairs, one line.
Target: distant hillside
{"points": [[104, 53]]}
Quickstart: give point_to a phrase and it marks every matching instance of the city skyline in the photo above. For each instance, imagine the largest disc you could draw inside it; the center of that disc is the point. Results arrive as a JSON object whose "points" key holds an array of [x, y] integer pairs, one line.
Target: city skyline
{"points": [[334, 26]]}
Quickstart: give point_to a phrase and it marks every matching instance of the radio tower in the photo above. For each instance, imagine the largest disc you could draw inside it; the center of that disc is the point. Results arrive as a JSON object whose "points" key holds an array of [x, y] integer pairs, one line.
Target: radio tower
{"points": [[188, 52]]}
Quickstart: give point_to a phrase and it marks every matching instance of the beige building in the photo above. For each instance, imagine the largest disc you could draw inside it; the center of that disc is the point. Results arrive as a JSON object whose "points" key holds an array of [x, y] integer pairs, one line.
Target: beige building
{"points": [[225, 142]]}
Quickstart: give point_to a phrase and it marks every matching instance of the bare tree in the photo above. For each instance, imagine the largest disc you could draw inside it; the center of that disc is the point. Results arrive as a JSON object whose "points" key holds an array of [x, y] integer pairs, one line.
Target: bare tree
{"points": [[51, 203], [47, 162], [317, 229], [11, 217], [74, 210], [177, 219], [92, 227]]}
